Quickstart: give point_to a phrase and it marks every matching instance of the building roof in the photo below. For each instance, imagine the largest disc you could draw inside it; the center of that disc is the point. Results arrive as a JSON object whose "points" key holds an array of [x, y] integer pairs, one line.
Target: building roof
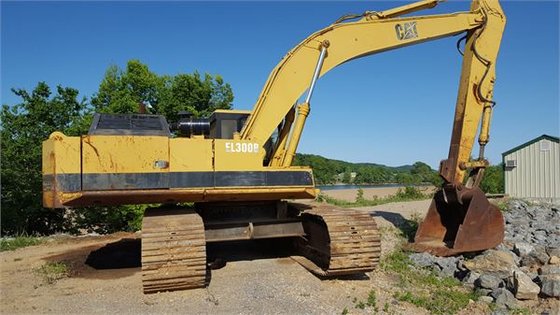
{"points": [[528, 143]]}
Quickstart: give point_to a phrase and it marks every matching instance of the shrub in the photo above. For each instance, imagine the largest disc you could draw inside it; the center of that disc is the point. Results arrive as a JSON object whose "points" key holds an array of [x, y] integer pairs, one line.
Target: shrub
{"points": [[410, 192], [360, 196]]}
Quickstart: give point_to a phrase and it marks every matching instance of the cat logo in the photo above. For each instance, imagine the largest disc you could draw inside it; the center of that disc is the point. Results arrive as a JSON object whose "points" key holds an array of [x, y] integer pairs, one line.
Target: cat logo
{"points": [[406, 30]]}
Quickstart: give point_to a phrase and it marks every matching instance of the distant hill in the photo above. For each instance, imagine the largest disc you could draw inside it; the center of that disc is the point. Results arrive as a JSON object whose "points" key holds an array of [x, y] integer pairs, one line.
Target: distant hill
{"points": [[329, 171]]}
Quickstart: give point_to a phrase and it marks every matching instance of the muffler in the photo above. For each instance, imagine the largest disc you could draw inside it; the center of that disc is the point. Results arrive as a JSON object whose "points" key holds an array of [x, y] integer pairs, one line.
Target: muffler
{"points": [[459, 220]]}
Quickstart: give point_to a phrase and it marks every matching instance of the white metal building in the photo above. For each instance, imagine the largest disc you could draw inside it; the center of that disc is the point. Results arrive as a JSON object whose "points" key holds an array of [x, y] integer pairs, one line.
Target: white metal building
{"points": [[532, 170]]}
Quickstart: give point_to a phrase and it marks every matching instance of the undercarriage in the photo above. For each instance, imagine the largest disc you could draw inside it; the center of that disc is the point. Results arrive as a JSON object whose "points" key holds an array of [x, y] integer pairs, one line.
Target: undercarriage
{"points": [[327, 240]]}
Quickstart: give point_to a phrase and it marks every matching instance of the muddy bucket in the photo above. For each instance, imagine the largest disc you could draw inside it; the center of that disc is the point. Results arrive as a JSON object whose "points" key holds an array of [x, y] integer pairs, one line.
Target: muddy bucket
{"points": [[466, 223]]}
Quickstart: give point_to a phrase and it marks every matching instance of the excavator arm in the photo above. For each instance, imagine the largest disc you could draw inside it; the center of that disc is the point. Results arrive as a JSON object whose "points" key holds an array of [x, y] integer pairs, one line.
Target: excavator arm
{"points": [[451, 219]]}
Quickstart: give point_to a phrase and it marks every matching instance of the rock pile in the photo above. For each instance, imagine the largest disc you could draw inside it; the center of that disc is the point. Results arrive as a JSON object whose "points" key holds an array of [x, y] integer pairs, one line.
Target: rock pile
{"points": [[525, 266], [532, 226]]}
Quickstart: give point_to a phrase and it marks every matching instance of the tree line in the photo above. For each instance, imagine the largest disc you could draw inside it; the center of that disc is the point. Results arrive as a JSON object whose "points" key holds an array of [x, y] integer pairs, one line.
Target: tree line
{"points": [[328, 171]]}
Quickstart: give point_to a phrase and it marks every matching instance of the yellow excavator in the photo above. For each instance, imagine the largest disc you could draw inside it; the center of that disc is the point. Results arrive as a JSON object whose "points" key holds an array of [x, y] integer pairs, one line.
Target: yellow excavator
{"points": [[235, 167]]}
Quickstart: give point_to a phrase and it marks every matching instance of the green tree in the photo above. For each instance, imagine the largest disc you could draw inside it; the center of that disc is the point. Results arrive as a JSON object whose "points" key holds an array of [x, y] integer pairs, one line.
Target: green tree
{"points": [[406, 179], [108, 219], [347, 176], [122, 91], [324, 170], [24, 127], [422, 173], [190, 92], [371, 175], [493, 181]]}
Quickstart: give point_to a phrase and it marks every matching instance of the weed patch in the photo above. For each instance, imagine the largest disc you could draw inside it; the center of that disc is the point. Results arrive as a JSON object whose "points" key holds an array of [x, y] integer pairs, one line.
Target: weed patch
{"points": [[521, 311], [53, 271], [423, 288], [386, 307], [14, 243], [361, 305], [372, 299], [502, 205]]}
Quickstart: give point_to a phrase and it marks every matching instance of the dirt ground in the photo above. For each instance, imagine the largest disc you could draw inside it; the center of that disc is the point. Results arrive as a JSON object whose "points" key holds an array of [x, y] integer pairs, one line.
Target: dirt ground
{"points": [[258, 278]]}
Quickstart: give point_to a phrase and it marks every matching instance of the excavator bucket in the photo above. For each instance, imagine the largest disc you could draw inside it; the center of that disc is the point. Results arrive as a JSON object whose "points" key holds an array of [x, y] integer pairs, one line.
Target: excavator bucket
{"points": [[467, 223]]}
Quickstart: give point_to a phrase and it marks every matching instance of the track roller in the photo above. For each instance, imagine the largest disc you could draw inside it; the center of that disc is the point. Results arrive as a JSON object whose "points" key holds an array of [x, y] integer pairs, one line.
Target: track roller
{"points": [[338, 241], [173, 250]]}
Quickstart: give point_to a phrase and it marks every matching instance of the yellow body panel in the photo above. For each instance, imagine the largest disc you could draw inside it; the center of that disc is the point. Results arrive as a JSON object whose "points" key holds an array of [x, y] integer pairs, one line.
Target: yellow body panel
{"points": [[232, 155], [67, 157], [124, 154], [190, 155], [60, 155], [128, 169]]}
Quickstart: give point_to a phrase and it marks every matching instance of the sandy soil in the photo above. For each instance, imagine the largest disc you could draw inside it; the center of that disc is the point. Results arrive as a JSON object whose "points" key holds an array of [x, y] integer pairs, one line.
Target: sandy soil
{"points": [[259, 278], [369, 193]]}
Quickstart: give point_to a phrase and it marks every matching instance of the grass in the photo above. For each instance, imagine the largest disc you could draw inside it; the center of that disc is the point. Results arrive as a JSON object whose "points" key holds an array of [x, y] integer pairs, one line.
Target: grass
{"points": [[372, 299], [386, 307], [521, 311], [423, 288], [407, 194], [408, 227], [18, 242], [502, 205], [361, 305], [53, 271], [418, 286], [371, 302]]}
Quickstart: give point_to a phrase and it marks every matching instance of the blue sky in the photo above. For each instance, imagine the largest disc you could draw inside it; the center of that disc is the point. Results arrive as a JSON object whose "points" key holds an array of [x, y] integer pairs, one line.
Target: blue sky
{"points": [[392, 108]]}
